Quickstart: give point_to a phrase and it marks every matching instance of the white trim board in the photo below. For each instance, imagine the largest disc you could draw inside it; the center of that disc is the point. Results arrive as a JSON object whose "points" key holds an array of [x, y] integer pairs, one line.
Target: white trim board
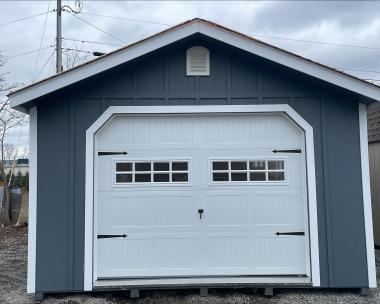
{"points": [[32, 225], [367, 196], [130, 110], [128, 53], [216, 281]]}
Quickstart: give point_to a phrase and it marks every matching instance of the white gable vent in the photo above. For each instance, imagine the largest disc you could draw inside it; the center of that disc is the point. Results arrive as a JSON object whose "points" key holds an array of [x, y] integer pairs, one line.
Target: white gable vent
{"points": [[197, 61]]}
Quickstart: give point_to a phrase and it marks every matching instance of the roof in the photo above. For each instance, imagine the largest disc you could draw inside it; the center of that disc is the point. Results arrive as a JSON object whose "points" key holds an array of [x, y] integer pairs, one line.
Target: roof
{"points": [[127, 53]]}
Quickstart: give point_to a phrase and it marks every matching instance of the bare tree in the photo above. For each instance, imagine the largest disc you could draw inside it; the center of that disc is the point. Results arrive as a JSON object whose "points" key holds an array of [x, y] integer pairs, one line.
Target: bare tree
{"points": [[9, 151], [9, 119], [74, 56], [24, 152]]}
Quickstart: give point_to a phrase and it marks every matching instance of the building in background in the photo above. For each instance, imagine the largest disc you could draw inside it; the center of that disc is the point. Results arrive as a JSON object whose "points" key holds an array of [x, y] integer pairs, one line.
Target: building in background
{"points": [[21, 165], [374, 166]]}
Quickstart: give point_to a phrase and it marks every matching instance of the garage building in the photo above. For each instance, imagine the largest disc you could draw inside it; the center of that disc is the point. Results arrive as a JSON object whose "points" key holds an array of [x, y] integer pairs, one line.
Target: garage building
{"points": [[199, 157]]}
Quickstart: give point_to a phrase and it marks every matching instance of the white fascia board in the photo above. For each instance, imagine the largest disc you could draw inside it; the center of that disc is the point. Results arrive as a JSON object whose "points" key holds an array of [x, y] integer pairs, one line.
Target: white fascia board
{"points": [[370, 248], [245, 43], [101, 65]]}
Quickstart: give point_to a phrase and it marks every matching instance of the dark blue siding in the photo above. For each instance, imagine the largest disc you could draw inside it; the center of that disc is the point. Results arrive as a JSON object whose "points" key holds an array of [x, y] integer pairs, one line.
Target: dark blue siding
{"points": [[159, 79]]}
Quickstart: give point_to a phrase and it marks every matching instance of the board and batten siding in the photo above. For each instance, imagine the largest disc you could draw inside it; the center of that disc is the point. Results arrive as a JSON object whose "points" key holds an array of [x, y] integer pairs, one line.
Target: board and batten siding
{"points": [[159, 78]]}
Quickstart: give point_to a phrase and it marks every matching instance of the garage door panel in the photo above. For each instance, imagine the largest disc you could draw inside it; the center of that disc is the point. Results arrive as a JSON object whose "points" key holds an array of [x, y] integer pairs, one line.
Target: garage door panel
{"points": [[225, 210], [133, 130], [201, 228], [116, 257], [125, 212], [244, 129], [227, 255], [174, 253], [280, 255], [129, 213], [165, 130], [173, 211], [276, 210], [148, 256]]}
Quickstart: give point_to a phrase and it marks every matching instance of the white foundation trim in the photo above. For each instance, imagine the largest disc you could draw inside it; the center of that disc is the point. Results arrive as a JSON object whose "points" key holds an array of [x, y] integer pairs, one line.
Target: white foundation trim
{"points": [[367, 196], [32, 225], [125, 54], [311, 184]]}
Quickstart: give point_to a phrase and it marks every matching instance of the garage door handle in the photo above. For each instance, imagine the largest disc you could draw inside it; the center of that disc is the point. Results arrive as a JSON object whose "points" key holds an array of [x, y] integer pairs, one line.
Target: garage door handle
{"points": [[111, 236], [290, 233], [200, 211], [287, 151], [101, 153]]}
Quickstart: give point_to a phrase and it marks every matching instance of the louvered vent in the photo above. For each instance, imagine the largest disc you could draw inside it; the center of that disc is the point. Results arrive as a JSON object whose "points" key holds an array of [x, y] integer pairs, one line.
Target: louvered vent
{"points": [[198, 61]]}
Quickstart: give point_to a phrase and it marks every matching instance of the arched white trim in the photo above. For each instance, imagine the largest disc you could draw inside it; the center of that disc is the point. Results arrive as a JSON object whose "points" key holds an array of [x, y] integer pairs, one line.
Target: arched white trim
{"points": [[311, 184]]}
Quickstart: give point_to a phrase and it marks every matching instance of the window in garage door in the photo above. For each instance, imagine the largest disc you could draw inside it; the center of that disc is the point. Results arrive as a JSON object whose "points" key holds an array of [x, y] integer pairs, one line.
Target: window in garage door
{"points": [[147, 171], [249, 171]]}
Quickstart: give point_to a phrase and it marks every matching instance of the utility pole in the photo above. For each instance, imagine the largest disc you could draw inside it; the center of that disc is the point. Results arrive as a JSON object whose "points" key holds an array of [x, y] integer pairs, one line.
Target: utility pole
{"points": [[59, 37]]}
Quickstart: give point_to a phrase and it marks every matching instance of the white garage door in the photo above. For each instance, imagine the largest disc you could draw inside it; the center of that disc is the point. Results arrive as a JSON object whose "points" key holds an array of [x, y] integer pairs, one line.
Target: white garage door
{"points": [[200, 195]]}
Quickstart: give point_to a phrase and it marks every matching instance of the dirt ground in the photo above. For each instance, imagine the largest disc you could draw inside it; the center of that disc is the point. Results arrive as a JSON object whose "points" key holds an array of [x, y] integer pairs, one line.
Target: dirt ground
{"points": [[13, 253]]}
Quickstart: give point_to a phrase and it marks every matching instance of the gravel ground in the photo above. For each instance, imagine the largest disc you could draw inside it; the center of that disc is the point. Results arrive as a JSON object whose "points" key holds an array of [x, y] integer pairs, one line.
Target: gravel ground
{"points": [[13, 248]]}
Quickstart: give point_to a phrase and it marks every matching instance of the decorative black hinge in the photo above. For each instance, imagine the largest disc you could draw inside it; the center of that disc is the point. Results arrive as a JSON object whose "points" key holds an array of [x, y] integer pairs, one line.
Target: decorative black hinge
{"points": [[111, 236], [112, 153], [290, 233], [287, 151]]}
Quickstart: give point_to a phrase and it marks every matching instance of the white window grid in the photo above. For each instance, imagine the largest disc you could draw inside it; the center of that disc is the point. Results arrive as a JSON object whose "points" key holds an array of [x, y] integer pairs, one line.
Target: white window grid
{"points": [[248, 170], [152, 172]]}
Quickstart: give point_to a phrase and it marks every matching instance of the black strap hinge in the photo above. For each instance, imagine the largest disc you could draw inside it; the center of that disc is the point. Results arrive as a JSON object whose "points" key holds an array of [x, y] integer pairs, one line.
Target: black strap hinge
{"points": [[290, 233], [112, 153], [287, 151], [111, 236]]}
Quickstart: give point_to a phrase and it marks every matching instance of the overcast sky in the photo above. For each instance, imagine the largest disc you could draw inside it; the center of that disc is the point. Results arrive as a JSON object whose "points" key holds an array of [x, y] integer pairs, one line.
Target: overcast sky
{"points": [[340, 22]]}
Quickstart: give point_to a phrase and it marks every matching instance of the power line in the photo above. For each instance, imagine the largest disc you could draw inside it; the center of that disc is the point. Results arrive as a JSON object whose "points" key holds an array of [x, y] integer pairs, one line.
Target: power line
{"points": [[94, 42], [337, 68], [25, 18], [127, 19], [42, 38], [258, 35], [80, 51], [30, 52], [46, 62], [320, 42], [51, 66], [94, 26]]}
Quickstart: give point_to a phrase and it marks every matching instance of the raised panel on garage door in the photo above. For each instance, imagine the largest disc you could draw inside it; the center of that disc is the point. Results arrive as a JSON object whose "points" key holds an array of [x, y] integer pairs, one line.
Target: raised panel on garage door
{"points": [[181, 215]]}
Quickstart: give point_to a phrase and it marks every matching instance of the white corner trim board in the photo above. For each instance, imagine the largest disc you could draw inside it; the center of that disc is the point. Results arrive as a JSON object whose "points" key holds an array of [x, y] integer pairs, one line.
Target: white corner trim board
{"points": [[18, 98], [32, 225], [367, 196], [130, 110]]}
